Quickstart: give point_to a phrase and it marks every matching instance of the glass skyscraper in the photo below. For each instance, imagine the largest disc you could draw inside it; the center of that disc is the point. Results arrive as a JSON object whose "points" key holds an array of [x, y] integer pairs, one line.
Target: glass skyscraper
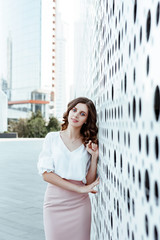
{"points": [[20, 55]]}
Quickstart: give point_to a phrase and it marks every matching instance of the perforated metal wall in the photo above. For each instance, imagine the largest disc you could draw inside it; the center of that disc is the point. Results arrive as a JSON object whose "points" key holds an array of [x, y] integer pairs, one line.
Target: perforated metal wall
{"points": [[122, 76]]}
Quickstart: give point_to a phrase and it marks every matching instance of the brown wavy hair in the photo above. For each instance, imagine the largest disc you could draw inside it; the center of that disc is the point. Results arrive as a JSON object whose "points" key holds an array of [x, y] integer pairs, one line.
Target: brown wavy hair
{"points": [[88, 130]]}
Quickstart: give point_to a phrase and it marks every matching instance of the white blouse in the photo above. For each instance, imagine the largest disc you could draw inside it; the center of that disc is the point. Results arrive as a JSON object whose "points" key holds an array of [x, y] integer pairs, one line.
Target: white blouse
{"points": [[56, 157]]}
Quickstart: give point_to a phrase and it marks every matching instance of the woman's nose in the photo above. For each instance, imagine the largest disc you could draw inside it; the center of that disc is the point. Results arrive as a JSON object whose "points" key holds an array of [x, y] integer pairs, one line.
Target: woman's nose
{"points": [[76, 114]]}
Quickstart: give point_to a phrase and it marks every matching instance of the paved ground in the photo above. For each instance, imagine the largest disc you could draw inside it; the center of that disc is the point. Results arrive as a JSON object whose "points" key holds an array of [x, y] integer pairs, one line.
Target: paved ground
{"points": [[21, 190]]}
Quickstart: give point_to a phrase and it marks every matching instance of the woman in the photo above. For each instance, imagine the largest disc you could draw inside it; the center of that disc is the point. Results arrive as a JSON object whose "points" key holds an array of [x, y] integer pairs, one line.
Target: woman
{"points": [[68, 162]]}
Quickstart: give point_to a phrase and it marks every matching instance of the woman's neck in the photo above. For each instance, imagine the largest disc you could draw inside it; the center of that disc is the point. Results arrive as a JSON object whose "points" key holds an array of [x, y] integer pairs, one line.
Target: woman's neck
{"points": [[73, 132]]}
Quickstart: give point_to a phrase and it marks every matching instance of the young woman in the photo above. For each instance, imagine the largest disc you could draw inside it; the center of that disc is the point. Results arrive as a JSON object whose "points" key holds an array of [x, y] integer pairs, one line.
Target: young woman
{"points": [[68, 162]]}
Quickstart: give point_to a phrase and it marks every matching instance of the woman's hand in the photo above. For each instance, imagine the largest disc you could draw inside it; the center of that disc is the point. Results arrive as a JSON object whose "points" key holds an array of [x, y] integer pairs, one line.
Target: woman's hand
{"points": [[89, 188], [92, 148]]}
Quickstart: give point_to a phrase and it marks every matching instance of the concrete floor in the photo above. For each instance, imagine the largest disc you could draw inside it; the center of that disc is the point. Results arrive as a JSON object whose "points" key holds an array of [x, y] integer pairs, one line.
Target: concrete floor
{"points": [[21, 190]]}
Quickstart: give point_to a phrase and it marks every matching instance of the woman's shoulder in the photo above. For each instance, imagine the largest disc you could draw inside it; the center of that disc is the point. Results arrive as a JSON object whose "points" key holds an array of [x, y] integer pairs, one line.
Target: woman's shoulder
{"points": [[52, 135]]}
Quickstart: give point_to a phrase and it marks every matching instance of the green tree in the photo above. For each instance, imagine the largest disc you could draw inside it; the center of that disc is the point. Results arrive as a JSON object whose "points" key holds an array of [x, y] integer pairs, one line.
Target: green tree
{"points": [[36, 126], [53, 125], [19, 126]]}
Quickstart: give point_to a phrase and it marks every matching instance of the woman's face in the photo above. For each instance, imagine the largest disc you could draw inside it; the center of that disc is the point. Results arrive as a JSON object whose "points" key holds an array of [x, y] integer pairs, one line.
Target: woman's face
{"points": [[78, 115]]}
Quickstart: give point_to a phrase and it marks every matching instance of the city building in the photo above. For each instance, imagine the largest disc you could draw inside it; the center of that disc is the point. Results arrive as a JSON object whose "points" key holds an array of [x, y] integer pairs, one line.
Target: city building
{"points": [[3, 112], [27, 57], [60, 83]]}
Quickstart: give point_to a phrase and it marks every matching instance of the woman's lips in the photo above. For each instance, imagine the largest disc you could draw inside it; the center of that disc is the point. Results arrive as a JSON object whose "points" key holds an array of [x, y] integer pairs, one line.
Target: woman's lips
{"points": [[74, 120]]}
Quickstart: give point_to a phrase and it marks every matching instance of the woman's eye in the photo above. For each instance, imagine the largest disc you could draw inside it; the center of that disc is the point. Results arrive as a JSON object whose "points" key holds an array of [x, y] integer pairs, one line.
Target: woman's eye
{"points": [[82, 114], [74, 110]]}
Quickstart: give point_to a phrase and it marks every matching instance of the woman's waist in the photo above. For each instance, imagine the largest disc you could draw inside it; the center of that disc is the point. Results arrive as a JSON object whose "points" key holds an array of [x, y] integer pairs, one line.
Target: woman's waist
{"points": [[54, 191]]}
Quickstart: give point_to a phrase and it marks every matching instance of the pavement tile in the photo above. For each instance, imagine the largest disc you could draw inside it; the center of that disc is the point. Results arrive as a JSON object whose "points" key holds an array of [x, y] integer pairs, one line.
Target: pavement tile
{"points": [[22, 190]]}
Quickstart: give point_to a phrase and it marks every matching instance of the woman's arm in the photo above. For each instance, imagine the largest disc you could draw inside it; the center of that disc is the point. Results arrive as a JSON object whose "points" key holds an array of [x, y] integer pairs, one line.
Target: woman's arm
{"points": [[92, 148], [92, 172], [53, 178], [60, 182]]}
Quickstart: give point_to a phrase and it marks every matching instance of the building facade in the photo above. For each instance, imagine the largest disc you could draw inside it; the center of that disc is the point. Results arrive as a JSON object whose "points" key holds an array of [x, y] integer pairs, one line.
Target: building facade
{"points": [[3, 112], [121, 75], [60, 73], [23, 46]]}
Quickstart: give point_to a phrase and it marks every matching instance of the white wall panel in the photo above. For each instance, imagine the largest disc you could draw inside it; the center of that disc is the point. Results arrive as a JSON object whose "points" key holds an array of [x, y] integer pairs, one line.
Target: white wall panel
{"points": [[122, 77]]}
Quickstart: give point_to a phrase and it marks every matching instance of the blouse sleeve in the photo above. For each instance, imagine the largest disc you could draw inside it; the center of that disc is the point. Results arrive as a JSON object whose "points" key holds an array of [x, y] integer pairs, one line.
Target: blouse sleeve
{"points": [[46, 161]]}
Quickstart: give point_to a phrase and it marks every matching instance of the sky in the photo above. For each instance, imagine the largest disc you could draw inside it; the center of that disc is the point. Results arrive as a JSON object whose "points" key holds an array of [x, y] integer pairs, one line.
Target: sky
{"points": [[70, 14]]}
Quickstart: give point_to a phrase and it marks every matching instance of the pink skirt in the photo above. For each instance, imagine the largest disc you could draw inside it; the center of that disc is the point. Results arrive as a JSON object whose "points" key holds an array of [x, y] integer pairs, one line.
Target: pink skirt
{"points": [[67, 214]]}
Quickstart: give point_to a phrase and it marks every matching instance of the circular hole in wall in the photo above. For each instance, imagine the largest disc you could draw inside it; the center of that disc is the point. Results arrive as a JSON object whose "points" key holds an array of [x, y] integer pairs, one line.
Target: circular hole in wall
{"points": [[122, 7], [112, 92], [147, 65], [121, 163], [125, 27], [125, 82], [112, 134], [117, 233], [115, 44], [119, 40], [115, 67], [139, 142], [108, 57], [114, 204], [146, 225], [114, 181], [124, 194], [124, 138], [133, 174], [134, 42], [128, 170], [140, 107], [147, 144], [157, 13], [116, 22], [113, 6], [118, 112], [105, 114], [128, 232], [118, 136], [140, 35], [148, 25], [129, 109], [129, 140], [156, 233], [111, 221], [147, 185], [129, 49], [156, 147], [119, 15], [128, 199], [156, 192], [134, 108], [157, 103], [114, 158], [112, 49], [139, 178], [134, 75], [133, 207], [135, 11]]}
